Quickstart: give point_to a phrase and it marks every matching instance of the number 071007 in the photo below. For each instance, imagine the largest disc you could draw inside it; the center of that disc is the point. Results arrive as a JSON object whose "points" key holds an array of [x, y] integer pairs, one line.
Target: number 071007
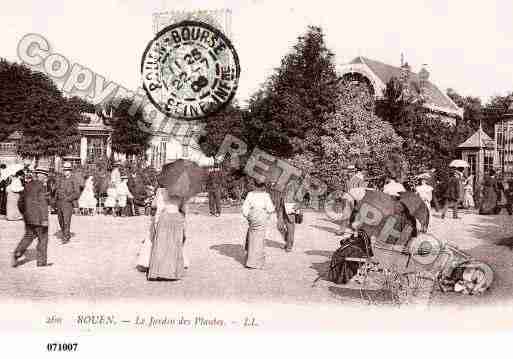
{"points": [[62, 347]]}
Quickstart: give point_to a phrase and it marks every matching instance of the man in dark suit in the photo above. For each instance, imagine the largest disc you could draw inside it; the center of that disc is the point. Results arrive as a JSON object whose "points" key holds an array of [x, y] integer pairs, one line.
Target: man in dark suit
{"points": [[214, 191], [34, 205], [3, 186], [452, 195], [66, 192], [138, 190]]}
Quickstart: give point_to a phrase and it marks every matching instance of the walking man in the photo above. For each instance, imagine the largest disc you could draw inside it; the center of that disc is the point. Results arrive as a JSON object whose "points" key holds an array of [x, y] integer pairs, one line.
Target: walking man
{"points": [[214, 191], [34, 205], [66, 192], [285, 213], [4, 179]]}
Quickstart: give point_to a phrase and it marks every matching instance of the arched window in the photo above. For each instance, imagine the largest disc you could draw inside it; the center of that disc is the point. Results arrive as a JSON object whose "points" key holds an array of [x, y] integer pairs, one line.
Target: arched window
{"points": [[358, 79]]}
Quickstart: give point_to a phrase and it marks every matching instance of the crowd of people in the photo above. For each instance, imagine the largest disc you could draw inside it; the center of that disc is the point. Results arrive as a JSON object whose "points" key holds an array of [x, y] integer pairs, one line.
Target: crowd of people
{"points": [[163, 255]]}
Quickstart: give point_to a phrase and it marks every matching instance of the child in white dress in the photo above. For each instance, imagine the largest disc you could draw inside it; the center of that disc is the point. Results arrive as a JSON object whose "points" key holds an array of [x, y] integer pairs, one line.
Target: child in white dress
{"points": [[87, 200]]}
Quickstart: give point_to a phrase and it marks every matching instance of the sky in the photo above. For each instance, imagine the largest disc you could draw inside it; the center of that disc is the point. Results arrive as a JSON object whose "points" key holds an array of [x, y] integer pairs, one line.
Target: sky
{"points": [[467, 46]]}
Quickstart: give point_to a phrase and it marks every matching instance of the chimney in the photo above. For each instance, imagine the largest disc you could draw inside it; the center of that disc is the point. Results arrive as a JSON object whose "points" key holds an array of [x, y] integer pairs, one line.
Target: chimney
{"points": [[423, 73]]}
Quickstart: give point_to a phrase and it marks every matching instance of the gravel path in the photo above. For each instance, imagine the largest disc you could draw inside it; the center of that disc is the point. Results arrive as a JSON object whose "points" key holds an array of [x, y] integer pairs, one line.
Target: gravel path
{"points": [[99, 262]]}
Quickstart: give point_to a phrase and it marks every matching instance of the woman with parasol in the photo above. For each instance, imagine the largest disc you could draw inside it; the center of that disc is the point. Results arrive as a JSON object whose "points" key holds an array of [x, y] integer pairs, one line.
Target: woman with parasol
{"points": [[178, 182]]}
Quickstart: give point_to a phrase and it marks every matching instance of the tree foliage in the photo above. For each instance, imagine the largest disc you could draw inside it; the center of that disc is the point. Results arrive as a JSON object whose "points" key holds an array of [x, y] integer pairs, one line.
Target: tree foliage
{"points": [[352, 133], [429, 142], [296, 99], [495, 111], [473, 115], [30, 102], [229, 121], [128, 136]]}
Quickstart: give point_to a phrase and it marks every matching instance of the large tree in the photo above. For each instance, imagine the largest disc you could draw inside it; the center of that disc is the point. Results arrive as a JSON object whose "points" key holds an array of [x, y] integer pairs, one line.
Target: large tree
{"points": [[127, 135], [495, 111], [31, 103], [296, 99], [229, 121], [351, 134], [473, 115], [428, 141]]}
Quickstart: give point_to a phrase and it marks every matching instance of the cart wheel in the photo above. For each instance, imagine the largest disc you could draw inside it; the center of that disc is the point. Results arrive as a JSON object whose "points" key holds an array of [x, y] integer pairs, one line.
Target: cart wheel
{"points": [[418, 283]]}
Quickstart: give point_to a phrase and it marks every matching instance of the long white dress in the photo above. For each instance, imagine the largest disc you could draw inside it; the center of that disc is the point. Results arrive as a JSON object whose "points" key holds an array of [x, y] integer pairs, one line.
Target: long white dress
{"points": [[87, 199], [111, 200], [115, 176], [123, 194], [13, 194], [257, 209]]}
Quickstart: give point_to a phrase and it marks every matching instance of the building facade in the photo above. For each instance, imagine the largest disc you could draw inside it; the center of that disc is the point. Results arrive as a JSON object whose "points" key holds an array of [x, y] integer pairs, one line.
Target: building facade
{"points": [[504, 145], [9, 148], [94, 142], [479, 152], [375, 75]]}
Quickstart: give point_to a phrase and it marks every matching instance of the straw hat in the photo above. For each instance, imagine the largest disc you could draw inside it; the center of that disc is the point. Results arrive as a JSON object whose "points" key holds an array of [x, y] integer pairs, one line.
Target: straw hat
{"points": [[42, 170], [394, 189]]}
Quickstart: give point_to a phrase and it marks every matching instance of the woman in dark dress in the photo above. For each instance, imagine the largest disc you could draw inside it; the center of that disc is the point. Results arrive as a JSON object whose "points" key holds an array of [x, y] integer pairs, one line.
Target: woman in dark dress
{"points": [[490, 194]]}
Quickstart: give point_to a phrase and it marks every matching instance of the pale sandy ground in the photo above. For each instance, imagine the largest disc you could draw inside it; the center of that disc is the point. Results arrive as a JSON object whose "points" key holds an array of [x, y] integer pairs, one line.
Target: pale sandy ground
{"points": [[98, 264]]}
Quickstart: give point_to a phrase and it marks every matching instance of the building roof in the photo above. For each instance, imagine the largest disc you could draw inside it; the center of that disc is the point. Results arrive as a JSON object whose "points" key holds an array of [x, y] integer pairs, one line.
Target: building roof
{"points": [[434, 97], [93, 122], [16, 135], [478, 140]]}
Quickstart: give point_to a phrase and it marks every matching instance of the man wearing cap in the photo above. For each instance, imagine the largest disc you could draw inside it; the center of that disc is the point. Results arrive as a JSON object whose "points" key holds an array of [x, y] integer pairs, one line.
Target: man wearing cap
{"points": [[66, 192], [34, 205], [452, 195], [137, 189], [214, 191]]}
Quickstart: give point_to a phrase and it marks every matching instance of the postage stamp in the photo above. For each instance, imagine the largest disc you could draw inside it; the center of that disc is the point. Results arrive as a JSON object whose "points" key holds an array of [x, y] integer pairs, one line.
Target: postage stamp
{"points": [[190, 70]]}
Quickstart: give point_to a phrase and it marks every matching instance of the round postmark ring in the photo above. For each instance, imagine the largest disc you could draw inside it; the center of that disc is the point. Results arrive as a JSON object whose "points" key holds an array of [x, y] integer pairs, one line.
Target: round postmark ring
{"points": [[190, 70]]}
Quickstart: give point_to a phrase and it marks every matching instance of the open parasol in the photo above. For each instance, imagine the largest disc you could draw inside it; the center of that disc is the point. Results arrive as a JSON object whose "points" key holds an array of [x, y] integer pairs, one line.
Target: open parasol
{"points": [[416, 207], [182, 178], [377, 206], [459, 164]]}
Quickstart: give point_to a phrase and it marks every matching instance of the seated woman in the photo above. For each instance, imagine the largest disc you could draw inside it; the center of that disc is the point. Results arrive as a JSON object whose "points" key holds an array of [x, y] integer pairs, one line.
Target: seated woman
{"points": [[490, 197]]}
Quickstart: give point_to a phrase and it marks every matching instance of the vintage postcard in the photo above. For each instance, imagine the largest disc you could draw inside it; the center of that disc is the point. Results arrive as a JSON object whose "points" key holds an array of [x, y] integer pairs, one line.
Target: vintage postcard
{"points": [[254, 166]]}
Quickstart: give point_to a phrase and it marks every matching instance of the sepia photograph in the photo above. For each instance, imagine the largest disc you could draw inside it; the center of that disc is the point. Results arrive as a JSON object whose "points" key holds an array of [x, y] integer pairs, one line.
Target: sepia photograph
{"points": [[256, 166]]}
